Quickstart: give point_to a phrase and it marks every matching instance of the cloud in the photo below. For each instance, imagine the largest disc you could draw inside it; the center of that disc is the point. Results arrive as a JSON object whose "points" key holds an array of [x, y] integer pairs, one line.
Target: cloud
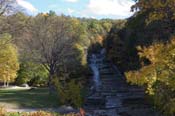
{"points": [[71, 0], [115, 8], [70, 11], [28, 6]]}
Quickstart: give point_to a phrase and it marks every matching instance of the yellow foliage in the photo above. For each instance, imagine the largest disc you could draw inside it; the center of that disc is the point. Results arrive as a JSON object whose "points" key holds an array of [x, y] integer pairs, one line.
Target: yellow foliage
{"points": [[158, 75], [8, 61], [82, 54]]}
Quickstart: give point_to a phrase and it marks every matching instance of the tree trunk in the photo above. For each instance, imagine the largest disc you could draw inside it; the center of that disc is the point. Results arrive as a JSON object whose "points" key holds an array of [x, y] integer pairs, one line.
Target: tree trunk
{"points": [[50, 83], [4, 84], [7, 84]]}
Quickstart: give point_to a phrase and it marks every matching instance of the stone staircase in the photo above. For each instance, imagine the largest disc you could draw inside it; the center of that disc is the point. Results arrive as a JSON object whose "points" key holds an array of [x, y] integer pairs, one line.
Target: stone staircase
{"points": [[115, 97]]}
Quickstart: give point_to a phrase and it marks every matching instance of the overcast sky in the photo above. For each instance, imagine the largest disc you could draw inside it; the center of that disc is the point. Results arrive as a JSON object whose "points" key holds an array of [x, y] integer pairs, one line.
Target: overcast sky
{"points": [[115, 9]]}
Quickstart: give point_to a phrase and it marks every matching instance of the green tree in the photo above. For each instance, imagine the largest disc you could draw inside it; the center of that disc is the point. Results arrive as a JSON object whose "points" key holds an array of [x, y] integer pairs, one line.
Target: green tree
{"points": [[33, 74]]}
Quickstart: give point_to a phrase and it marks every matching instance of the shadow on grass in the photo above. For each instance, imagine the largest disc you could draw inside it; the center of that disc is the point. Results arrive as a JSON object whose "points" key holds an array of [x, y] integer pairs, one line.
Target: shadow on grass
{"points": [[35, 98]]}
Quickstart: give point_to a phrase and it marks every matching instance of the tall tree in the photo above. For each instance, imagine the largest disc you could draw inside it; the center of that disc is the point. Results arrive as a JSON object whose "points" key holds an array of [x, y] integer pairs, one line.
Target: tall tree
{"points": [[50, 39], [8, 61]]}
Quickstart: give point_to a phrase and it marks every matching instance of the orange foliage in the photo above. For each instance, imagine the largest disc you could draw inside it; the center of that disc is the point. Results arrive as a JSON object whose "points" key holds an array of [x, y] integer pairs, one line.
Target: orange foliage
{"points": [[100, 39]]}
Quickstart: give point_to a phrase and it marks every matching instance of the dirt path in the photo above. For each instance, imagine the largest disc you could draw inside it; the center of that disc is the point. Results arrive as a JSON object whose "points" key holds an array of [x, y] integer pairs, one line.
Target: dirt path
{"points": [[62, 110]]}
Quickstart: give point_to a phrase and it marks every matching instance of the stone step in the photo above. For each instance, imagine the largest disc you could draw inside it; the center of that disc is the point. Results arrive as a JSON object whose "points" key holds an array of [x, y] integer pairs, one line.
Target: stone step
{"points": [[111, 76], [110, 72], [117, 90], [102, 66], [117, 83], [112, 82], [107, 89], [95, 102], [111, 86], [136, 89], [108, 94], [113, 102], [108, 77], [107, 73], [109, 83], [106, 69], [105, 112], [130, 95]]}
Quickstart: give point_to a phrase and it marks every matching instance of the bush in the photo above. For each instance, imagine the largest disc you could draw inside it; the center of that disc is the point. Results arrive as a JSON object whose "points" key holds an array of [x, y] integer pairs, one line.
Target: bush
{"points": [[69, 93]]}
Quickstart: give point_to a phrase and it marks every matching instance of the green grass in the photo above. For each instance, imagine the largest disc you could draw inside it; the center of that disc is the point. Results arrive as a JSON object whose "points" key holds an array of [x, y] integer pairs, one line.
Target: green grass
{"points": [[35, 98]]}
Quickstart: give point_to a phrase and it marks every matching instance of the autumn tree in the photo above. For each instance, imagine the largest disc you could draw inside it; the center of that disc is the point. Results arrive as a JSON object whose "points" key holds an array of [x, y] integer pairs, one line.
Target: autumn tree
{"points": [[156, 9], [50, 41], [157, 74], [8, 61]]}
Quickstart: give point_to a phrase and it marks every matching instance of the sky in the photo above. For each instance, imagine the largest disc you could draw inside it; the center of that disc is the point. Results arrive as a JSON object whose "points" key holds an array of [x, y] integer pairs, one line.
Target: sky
{"points": [[114, 9]]}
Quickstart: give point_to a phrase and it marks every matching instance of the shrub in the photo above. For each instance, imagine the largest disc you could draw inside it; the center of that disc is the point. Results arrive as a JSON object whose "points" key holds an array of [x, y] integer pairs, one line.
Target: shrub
{"points": [[69, 93]]}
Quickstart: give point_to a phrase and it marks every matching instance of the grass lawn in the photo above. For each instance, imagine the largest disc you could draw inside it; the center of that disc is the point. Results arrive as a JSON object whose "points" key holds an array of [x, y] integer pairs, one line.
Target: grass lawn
{"points": [[34, 98]]}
